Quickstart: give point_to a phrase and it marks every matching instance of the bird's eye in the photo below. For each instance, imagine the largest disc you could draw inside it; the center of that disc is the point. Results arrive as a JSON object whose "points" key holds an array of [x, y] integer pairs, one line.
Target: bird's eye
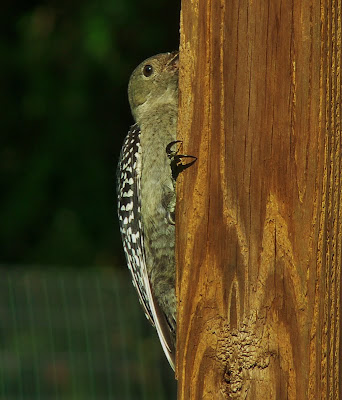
{"points": [[148, 70]]}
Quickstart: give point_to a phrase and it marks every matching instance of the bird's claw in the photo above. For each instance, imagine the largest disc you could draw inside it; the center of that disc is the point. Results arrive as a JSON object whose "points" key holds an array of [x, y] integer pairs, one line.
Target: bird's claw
{"points": [[177, 160], [171, 153]]}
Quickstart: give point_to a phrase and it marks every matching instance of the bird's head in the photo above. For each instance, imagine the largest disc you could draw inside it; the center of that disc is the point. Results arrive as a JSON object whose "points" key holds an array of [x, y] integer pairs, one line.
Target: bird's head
{"points": [[153, 80]]}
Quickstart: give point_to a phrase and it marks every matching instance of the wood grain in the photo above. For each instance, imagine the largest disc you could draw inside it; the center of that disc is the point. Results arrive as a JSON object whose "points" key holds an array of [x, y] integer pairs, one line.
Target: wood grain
{"points": [[259, 216]]}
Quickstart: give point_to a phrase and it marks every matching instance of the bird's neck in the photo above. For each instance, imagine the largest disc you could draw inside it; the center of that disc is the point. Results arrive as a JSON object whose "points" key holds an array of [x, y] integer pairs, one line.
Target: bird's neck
{"points": [[158, 106]]}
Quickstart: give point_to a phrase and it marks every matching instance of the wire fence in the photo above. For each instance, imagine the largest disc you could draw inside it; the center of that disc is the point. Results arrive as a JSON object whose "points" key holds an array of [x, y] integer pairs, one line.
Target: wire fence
{"points": [[77, 334]]}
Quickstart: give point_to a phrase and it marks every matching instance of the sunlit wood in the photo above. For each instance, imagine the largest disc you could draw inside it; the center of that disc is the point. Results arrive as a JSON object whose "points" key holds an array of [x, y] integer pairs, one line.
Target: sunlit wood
{"points": [[259, 216]]}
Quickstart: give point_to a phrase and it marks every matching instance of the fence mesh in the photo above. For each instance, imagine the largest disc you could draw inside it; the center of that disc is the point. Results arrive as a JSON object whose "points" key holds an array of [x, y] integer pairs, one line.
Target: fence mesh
{"points": [[77, 334]]}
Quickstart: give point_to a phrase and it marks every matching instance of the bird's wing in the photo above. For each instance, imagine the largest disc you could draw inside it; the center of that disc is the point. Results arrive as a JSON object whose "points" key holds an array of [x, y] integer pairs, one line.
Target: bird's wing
{"points": [[131, 227]]}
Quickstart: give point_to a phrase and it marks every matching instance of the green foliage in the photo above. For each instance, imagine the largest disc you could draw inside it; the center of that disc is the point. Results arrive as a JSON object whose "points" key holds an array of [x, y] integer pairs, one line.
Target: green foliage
{"points": [[63, 74]]}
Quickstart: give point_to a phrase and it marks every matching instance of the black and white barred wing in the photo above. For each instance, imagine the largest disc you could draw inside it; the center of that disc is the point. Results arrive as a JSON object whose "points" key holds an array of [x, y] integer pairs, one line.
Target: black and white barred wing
{"points": [[128, 178], [129, 212]]}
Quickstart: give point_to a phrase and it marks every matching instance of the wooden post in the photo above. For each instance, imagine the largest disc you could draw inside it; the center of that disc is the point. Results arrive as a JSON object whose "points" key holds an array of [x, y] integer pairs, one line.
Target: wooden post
{"points": [[259, 216]]}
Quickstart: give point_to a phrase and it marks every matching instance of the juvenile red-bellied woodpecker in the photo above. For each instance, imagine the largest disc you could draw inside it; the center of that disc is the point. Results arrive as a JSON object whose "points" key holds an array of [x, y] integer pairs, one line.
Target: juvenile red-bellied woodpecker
{"points": [[146, 192]]}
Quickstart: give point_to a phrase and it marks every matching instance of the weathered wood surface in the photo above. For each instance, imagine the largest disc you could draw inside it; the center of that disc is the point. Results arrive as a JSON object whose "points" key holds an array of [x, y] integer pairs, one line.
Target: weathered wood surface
{"points": [[259, 216]]}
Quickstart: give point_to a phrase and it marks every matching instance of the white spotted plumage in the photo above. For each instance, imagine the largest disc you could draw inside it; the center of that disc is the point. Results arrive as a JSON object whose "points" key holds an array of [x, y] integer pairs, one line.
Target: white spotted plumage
{"points": [[131, 228], [129, 170]]}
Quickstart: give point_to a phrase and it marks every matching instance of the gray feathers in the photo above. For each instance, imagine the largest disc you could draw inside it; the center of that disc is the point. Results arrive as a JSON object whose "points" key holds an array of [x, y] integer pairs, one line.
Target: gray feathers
{"points": [[146, 192]]}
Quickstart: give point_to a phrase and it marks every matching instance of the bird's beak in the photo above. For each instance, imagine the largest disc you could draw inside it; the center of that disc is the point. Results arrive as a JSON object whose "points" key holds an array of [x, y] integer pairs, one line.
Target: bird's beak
{"points": [[174, 60]]}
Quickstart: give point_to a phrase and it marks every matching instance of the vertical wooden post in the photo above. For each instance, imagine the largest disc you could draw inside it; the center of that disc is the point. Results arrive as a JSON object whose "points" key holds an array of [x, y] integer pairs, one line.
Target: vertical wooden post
{"points": [[259, 216]]}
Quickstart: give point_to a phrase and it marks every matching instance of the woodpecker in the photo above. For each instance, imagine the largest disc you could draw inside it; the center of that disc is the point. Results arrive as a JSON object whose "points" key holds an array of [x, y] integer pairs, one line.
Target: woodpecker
{"points": [[148, 166]]}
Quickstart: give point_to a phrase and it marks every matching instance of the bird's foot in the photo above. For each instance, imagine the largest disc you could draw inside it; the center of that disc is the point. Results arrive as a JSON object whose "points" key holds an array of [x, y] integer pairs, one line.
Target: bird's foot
{"points": [[179, 162]]}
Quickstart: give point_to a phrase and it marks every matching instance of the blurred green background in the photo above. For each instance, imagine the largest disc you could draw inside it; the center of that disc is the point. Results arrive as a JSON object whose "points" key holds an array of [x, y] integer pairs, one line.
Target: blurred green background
{"points": [[64, 71], [70, 323]]}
